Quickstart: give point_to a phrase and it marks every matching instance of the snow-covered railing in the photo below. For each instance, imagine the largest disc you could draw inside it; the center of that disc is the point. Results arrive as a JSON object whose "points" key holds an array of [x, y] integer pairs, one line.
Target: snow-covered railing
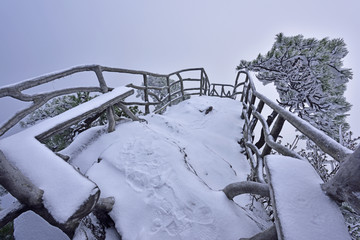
{"points": [[343, 187], [42, 181], [178, 94], [253, 103], [175, 90], [228, 90], [35, 190]]}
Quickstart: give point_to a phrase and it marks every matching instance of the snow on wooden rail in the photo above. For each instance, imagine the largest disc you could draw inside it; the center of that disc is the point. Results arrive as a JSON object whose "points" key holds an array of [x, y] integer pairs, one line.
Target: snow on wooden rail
{"points": [[342, 187], [44, 182], [302, 210], [35, 175], [253, 104], [66, 211]]}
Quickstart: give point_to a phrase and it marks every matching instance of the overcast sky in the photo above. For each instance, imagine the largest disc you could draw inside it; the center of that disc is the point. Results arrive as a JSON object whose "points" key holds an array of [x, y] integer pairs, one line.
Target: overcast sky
{"points": [[41, 36]]}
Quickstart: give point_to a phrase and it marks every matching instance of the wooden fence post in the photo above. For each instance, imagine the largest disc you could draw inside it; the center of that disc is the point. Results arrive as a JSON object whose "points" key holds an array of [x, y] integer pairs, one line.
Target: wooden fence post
{"points": [[169, 90], [100, 77], [181, 86], [110, 114], [201, 82], [146, 95]]}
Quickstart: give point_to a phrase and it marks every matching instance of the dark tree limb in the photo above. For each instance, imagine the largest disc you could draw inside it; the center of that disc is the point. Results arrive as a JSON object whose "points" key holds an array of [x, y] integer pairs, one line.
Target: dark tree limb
{"points": [[268, 234], [102, 209], [275, 132], [234, 189], [345, 185], [105, 204], [269, 121], [270, 140]]}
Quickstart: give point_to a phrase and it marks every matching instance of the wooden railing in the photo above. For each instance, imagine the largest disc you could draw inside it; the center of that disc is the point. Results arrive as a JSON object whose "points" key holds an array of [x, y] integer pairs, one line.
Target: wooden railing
{"points": [[174, 94], [30, 196], [15, 91], [256, 144], [259, 144]]}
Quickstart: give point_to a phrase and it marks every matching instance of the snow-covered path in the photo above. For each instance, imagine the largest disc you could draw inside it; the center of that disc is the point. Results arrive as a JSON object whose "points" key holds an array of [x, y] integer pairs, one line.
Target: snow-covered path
{"points": [[166, 174]]}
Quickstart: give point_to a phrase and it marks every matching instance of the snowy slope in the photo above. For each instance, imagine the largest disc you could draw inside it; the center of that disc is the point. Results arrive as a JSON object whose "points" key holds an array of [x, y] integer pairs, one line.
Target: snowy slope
{"points": [[166, 174]]}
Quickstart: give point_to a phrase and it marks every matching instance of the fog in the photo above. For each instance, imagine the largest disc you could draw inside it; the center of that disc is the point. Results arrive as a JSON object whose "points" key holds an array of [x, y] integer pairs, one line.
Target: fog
{"points": [[162, 36]]}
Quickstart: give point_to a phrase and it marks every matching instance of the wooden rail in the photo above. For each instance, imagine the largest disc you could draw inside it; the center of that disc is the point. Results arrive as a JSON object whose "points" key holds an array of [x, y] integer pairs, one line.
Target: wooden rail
{"points": [[257, 144], [252, 100], [15, 90], [253, 105], [14, 180]]}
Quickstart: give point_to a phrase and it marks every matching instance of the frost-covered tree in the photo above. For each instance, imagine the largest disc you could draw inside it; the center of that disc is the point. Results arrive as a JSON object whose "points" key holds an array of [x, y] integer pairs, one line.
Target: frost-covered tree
{"points": [[309, 77]]}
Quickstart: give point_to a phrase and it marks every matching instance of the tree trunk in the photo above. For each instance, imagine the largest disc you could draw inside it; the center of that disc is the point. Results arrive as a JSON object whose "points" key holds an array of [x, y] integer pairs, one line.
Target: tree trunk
{"points": [[345, 185]]}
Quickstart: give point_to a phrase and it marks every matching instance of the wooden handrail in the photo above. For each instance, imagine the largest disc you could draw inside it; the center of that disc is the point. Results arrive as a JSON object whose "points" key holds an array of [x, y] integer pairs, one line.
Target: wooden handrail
{"points": [[15, 90], [269, 135]]}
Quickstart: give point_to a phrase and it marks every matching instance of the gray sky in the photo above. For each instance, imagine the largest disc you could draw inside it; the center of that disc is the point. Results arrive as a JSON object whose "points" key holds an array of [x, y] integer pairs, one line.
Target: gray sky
{"points": [[41, 36]]}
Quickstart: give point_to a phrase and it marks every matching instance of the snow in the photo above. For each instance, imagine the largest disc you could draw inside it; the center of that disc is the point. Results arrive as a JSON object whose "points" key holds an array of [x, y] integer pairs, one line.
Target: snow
{"points": [[29, 230], [49, 172], [303, 209], [167, 174]]}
